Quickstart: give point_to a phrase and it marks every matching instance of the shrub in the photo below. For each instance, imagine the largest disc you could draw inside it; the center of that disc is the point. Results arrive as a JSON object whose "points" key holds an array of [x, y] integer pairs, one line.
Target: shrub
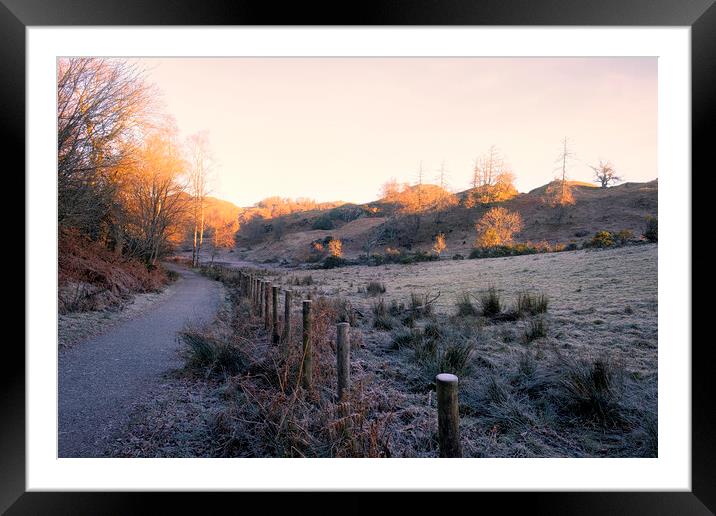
{"points": [[497, 227], [464, 305], [335, 248], [490, 302], [624, 236], [651, 229], [532, 304], [323, 222], [510, 250], [602, 239], [439, 245], [331, 262], [458, 256], [374, 288]]}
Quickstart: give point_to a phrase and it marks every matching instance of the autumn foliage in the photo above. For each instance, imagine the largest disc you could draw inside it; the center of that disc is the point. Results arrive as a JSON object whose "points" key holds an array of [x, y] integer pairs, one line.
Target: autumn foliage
{"points": [[497, 227]]}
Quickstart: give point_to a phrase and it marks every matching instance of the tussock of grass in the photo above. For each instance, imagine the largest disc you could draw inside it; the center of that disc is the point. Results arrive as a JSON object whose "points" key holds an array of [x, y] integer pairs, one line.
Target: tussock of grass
{"points": [[403, 338], [206, 351], [490, 303], [301, 280], [375, 288], [465, 306], [382, 320], [592, 390], [455, 358], [536, 329], [531, 304]]}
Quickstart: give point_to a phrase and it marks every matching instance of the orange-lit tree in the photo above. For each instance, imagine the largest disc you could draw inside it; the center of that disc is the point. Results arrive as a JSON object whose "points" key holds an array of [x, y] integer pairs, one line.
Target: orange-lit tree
{"points": [[497, 227]]}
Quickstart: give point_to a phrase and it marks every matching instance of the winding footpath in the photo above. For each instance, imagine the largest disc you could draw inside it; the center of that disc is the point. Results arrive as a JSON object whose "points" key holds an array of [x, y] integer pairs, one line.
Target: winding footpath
{"points": [[101, 378]]}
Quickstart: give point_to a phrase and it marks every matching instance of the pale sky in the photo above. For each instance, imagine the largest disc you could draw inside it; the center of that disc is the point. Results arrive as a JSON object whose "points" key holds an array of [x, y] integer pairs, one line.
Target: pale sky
{"points": [[338, 128]]}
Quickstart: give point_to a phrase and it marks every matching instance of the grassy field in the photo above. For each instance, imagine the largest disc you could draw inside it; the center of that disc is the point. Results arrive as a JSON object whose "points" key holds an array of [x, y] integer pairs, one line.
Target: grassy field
{"points": [[573, 373]]}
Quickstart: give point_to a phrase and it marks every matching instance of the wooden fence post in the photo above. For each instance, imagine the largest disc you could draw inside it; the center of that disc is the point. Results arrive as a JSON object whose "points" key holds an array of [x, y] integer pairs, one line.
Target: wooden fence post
{"points": [[274, 315], [343, 357], [286, 337], [307, 376], [267, 307], [448, 416], [259, 299]]}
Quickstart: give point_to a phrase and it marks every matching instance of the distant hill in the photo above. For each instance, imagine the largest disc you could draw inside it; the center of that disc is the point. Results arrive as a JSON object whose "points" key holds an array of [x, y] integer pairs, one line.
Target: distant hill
{"points": [[376, 225]]}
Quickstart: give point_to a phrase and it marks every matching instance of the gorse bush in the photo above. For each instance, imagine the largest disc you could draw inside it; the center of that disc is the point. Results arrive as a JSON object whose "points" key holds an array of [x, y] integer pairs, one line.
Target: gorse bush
{"points": [[331, 262], [397, 256], [624, 236], [602, 239], [499, 251]]}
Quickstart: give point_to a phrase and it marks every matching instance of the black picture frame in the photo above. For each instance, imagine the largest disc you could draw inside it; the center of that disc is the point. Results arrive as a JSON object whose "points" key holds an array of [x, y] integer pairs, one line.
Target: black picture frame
{"points": [[700, 15]]}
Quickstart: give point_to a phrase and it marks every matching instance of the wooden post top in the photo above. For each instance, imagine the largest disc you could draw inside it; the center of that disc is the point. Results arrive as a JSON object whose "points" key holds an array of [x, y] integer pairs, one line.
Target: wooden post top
{"points": [[446, 378]]}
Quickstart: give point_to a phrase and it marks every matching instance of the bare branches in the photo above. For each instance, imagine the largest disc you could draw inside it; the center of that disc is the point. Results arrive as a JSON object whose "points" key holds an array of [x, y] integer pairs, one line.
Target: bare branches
{"points": [[604, 173]]}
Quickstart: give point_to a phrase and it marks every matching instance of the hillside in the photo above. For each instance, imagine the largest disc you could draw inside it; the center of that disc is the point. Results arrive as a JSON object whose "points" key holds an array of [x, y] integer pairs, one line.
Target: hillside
{"points": [[376, 226]]}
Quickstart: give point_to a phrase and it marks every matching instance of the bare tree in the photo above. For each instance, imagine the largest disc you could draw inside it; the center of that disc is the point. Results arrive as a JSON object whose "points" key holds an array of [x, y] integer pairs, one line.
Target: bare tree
{"points": [[604, 173], [155, 195], [559, 192], [492, 179], [200, 168], [565, 157], [443, 177], [103, 107]]}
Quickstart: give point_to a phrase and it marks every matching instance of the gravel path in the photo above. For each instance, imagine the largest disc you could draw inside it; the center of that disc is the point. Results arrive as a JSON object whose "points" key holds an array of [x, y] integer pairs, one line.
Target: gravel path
{"points": [[100, 379]]}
